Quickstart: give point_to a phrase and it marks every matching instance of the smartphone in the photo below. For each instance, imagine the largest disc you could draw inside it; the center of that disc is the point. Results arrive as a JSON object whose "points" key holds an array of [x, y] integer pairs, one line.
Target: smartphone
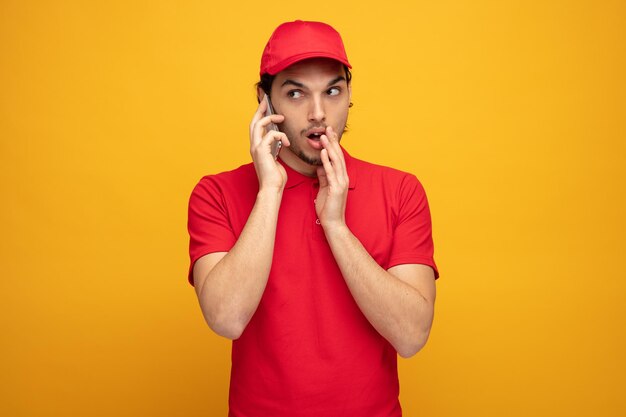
{"points": [[276, 145]]}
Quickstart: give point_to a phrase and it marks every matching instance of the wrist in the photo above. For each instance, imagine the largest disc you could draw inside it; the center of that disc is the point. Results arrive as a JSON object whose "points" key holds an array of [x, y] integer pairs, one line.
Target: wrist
{"points": [[335, 228], [270, 192]]}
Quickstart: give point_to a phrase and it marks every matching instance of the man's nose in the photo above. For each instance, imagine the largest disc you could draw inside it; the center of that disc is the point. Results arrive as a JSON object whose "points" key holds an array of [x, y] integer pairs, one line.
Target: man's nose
{"points": [[316, 111]]}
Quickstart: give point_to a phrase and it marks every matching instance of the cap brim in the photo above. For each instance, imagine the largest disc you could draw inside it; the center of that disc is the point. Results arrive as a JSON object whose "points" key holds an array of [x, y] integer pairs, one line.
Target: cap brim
{"points": [[275, 69]]}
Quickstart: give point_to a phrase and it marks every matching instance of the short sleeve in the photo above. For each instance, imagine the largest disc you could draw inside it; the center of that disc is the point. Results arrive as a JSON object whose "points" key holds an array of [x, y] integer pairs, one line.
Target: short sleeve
{"points": [[208, 222], [412, 236]]}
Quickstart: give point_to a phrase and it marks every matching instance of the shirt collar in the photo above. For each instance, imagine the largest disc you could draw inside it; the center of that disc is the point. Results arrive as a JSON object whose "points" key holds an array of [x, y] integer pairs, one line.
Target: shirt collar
{"points": [[294, 178]]}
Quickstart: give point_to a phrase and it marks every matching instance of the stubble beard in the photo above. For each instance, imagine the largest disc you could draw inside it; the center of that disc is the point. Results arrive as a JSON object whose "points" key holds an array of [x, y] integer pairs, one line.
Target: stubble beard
{"points": [[308, 159]]}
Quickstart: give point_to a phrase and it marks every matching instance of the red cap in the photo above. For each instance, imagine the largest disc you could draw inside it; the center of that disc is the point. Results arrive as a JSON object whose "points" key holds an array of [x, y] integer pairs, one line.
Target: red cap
{"points": [[292, 42]]}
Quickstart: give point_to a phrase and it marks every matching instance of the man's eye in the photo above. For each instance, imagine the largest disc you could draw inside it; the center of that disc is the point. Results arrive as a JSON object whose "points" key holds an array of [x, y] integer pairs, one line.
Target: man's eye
{"points": [[295, 94], [334, 91]]}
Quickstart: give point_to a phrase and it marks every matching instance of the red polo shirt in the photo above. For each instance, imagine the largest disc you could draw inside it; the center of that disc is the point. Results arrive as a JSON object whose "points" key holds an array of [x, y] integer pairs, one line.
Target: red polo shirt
{"points": [[308, 350]]}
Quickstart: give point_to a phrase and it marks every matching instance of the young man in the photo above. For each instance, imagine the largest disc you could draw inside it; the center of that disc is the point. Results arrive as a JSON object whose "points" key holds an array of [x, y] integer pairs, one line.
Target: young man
{"points": [[318, 265]]}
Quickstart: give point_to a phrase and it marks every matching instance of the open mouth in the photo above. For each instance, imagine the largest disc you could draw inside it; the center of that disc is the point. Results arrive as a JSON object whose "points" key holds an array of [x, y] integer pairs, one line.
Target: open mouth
{"points": [[314, 137]]}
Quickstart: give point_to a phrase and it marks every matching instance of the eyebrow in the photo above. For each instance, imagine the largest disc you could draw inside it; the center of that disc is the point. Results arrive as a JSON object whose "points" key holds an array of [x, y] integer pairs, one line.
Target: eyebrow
{"points": [[336, 80], [292, 82], [300, 85]]}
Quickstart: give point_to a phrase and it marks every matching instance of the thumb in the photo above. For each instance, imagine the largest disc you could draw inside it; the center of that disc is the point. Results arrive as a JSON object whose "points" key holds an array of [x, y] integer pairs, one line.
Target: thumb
{"points": [[321, 176]]}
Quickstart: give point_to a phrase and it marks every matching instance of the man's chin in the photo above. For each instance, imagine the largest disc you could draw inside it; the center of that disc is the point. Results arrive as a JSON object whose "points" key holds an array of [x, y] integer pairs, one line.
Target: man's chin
{"points": [[308, 156], [309, 159]]}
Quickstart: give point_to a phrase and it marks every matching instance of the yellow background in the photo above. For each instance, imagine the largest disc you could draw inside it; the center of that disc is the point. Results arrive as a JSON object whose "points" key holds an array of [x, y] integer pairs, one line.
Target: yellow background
{"points": [[512, 114]]}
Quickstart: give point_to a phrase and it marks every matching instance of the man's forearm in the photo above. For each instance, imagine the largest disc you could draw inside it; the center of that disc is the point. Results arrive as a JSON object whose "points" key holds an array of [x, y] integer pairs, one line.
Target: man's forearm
{"points": [[233, 288], [397, 310]]}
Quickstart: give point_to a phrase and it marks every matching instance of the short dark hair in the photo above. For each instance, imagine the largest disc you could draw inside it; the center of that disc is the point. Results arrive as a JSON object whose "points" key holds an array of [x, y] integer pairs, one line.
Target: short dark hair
{"points": [[266, 81]]}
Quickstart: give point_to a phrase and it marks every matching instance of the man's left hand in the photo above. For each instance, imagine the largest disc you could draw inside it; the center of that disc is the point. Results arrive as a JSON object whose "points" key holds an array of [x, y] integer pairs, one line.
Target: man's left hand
{"points": [[330, 204]]}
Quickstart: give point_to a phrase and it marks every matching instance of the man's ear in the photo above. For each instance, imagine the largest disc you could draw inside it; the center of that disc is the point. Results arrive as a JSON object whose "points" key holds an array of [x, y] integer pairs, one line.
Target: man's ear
{"points": [[350, 94], [259, 94]]}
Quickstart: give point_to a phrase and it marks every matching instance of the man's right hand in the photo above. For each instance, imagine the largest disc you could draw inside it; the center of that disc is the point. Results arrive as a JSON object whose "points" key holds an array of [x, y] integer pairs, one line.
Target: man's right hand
{"points": [[230, 284], [271, 174]]}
